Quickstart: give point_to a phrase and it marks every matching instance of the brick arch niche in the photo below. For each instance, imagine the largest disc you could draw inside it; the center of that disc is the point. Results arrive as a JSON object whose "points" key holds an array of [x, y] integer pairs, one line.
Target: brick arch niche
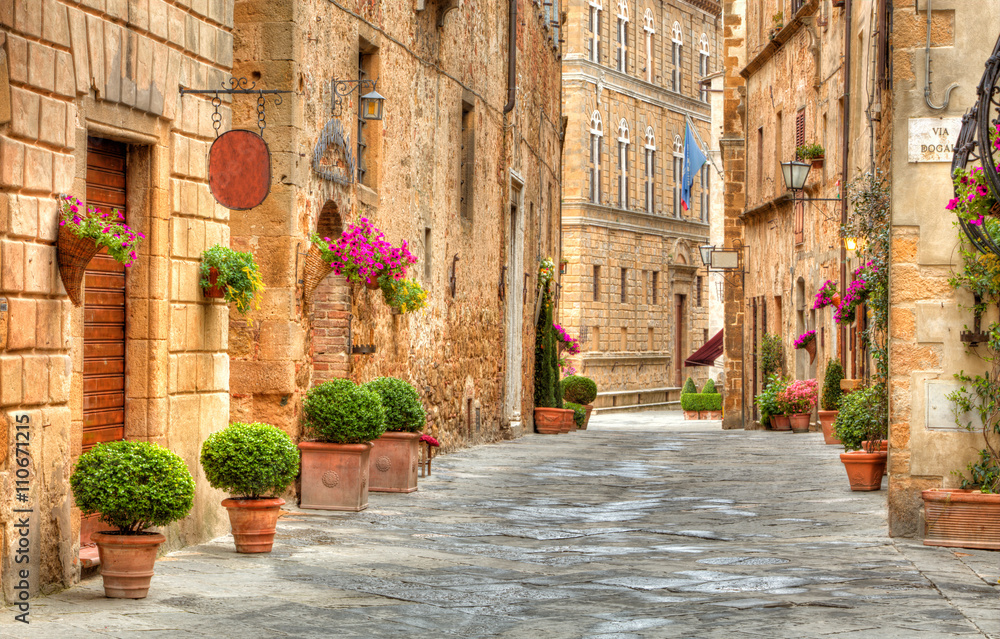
{"points": [[329, 309]]}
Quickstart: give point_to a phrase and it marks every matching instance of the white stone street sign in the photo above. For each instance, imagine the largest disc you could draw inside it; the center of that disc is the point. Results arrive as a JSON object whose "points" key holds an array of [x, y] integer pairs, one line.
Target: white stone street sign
{"points": [[933, 139]]}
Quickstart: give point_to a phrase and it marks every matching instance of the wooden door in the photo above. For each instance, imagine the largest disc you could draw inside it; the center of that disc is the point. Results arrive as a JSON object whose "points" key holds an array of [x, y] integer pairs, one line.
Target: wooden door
{"points": [[679, 340], [104, 306]]}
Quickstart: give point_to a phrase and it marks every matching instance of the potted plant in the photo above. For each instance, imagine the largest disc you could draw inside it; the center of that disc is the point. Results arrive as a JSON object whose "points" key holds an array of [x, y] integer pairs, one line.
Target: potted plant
{"points": [[826, 296], [807, 341], [83, 232], [403, 295], [811, 152], [767, 403], [798, 399], [861, 425], [581, 390], [777, 24], [711, 400], [689, 400], [550, 416], [133, 486], [343, 418], [393, 459], [231, 275], [363, 256], [318, 264], [254, 463], [830, 399], [772, 355]]}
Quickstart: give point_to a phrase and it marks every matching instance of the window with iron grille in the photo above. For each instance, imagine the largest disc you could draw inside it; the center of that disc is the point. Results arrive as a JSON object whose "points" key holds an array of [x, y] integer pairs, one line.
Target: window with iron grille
{"points": [[624, 285], [362, 146], [655, 287], [597, 283], [596, 132], [650, 168], [676, 56], [678, 176], [467, 175]]}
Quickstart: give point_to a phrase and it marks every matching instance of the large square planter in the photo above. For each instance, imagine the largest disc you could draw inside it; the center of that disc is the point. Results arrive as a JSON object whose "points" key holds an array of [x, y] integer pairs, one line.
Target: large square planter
{"points": [[393, 465], [334, 476], [961, 519]]}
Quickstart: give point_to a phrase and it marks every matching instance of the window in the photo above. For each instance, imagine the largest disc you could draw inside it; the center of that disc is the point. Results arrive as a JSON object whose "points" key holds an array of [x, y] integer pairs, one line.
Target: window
{"points": [[650, 29], [760, 160], [649, 339], [428, 254], [655, 287], [779, 184], [697, 293], [800, 128], [622, 35], [594, 39], [650, 168], [624, 284], [704, 50], [363, 62], [468, 155], [676, 56], [678, 173], [623, 142], [800, 222], [595, 341], [706, 188], [596, 133], [597, 283]]}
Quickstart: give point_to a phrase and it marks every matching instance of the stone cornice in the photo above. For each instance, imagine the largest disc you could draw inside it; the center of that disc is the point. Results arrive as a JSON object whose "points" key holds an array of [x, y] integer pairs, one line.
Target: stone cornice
{"points": [[590, 73], [634, 221], [770, 205], [780, 39], [711, 7]]}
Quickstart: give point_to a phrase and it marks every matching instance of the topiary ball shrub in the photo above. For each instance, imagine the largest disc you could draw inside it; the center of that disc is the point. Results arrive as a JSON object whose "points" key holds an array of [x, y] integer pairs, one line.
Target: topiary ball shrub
{"points": [[341, 412], [831, 385], [578, 389], [403, 410], [579, 413], [250, 460], [709, 388], [689, 387], [133, 485]]}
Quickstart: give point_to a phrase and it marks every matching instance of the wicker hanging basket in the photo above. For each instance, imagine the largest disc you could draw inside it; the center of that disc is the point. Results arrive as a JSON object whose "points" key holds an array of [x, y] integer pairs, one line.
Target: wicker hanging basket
{"points": [[316, 270], [74, 254]]}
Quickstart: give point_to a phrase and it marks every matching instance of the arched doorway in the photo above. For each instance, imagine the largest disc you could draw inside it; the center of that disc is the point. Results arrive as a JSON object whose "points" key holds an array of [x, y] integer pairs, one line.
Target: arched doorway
{"points": [[329, 311]]}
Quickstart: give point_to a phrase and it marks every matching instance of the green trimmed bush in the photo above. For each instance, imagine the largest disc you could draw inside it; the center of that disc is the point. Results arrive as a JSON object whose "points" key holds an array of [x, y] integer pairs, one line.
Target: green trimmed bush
{"points": [[250, 460], [403, 410], [772, 355], [579, 413], [133, 485], [578, 389], [863, 416], [709, 388], [697, 402], [341, 412], [689, 387], [830, 399]]}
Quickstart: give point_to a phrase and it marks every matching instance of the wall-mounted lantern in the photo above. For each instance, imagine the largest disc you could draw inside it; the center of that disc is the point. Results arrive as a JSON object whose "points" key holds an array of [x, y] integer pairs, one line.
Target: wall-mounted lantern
{"points": [[851, 243], [371, 102], [795, 174]]}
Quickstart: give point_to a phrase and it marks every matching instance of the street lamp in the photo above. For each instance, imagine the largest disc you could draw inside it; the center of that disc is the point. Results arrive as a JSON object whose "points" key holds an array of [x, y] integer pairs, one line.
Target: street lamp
{"points": [[706, 253], [795, 174], [371, 105], [371, 102], [851, 243]]}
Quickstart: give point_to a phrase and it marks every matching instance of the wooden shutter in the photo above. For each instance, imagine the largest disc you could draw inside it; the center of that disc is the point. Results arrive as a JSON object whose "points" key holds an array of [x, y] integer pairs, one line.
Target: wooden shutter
{"points": [[104, 306], [800, 222], [800, 128]]}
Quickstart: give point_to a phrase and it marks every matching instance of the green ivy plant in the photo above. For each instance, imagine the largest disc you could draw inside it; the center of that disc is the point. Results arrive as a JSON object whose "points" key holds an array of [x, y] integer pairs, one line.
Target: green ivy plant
{"points": [[250, 461], [772, 355], [830, 400], [403, 410], [579, 413], [133, 485], [341, 412], [239, 277]]}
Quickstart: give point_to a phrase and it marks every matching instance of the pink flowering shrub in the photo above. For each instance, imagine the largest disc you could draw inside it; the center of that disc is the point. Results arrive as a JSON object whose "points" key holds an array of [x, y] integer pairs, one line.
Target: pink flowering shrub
{"points": [[825, 295], [805, 339], [568, 345], [108, 230], [799, 396], [363, 255], [856, 294]]}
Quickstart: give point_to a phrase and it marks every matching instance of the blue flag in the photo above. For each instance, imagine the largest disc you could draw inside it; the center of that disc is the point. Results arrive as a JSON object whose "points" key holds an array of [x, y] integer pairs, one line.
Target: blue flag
{"points": [[694, 159]]}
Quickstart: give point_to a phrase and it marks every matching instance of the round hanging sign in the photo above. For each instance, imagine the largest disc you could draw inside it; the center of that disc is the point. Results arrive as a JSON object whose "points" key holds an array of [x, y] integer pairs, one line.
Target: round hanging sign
{"points": [[239, 169]]}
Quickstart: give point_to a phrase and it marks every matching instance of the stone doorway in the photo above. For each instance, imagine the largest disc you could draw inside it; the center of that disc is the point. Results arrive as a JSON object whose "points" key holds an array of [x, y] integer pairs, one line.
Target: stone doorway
{"points": [[330, 310]]}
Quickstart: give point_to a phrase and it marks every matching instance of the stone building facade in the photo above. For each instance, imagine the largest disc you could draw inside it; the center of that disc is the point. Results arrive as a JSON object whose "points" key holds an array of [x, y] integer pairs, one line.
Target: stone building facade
{"points": [[633, 291], [472, 186], [91, 107]]}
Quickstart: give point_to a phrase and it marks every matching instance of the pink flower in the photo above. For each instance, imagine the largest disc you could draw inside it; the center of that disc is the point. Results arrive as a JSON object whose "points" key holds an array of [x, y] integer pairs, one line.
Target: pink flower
{"points": [[74, 208], [952, 204], [977, 222]]}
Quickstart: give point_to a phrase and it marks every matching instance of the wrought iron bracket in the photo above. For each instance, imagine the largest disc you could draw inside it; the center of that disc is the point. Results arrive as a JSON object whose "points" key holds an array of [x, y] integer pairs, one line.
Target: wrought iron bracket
{"points": [[340, 89], [239, 86]]}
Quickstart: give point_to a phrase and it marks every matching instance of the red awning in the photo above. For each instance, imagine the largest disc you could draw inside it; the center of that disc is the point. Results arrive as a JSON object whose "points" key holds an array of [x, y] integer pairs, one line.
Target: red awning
{"points": [[708, 353]]}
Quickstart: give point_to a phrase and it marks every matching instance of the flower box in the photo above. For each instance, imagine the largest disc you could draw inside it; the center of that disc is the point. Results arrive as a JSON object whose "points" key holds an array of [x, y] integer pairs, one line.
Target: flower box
{"points": [[393, 463], [961, 519]]}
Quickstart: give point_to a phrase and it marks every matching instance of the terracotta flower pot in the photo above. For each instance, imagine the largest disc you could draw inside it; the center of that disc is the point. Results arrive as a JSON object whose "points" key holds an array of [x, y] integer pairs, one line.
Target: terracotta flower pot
{"points": [[253, 522], [548, 421], [961, 519], [127, 562], [393, 463], [780, 422], [374, 286], [334, 476], [213, 290], [568, 423], [799, 422], [826, 419], [586, 420], [713, 414], [864, 470], [692, 414], [817, 163]]}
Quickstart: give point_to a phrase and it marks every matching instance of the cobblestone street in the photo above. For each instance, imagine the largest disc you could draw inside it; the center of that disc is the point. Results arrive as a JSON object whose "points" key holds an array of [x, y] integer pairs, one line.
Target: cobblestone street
{"points": [[643, 526]]}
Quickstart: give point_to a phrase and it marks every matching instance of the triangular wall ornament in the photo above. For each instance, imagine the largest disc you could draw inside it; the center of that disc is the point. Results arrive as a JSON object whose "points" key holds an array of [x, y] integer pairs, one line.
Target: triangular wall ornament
{"points": [[326, 162]]}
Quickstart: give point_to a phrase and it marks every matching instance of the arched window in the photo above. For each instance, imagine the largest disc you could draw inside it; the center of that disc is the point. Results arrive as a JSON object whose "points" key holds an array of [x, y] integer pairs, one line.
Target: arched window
{"points": [[622, 34], [704, 51], [623, 142], [596, 133], [650, 168], [594, 38], [676, 56], [678, 176], [650, 28]]}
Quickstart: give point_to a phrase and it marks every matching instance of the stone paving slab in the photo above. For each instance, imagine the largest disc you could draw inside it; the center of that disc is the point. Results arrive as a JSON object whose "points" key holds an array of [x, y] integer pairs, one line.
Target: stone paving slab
{"points": [[643, 526]]}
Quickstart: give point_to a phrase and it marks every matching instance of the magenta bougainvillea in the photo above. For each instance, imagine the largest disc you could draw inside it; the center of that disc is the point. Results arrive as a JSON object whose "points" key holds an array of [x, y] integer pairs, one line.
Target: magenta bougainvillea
{"points": [[799, 396], [805, 339], [363, 255], [856, 294], [825, 295]]}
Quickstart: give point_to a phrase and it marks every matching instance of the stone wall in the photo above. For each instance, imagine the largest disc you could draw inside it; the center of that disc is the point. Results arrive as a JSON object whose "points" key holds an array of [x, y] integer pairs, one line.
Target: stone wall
{"points": [[109, 69]]}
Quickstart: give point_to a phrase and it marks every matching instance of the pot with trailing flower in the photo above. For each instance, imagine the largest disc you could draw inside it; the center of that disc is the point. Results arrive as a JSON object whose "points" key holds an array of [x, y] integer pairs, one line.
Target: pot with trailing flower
{"points": [[363, 256], [812, 152], [83, 233], [799, 398], [549, 415], [826, 296], [856, 295], [232, 276], [807, 341]]}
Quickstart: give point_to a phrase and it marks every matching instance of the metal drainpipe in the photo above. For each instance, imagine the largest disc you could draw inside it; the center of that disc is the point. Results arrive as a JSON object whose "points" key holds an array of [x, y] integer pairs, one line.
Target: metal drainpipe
{"points": [[512, 59], [845, 149], [927, 70]]}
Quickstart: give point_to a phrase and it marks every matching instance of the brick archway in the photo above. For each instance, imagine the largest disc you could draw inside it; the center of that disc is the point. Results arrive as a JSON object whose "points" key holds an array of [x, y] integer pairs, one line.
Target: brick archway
{"points": [[329, 310]]}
